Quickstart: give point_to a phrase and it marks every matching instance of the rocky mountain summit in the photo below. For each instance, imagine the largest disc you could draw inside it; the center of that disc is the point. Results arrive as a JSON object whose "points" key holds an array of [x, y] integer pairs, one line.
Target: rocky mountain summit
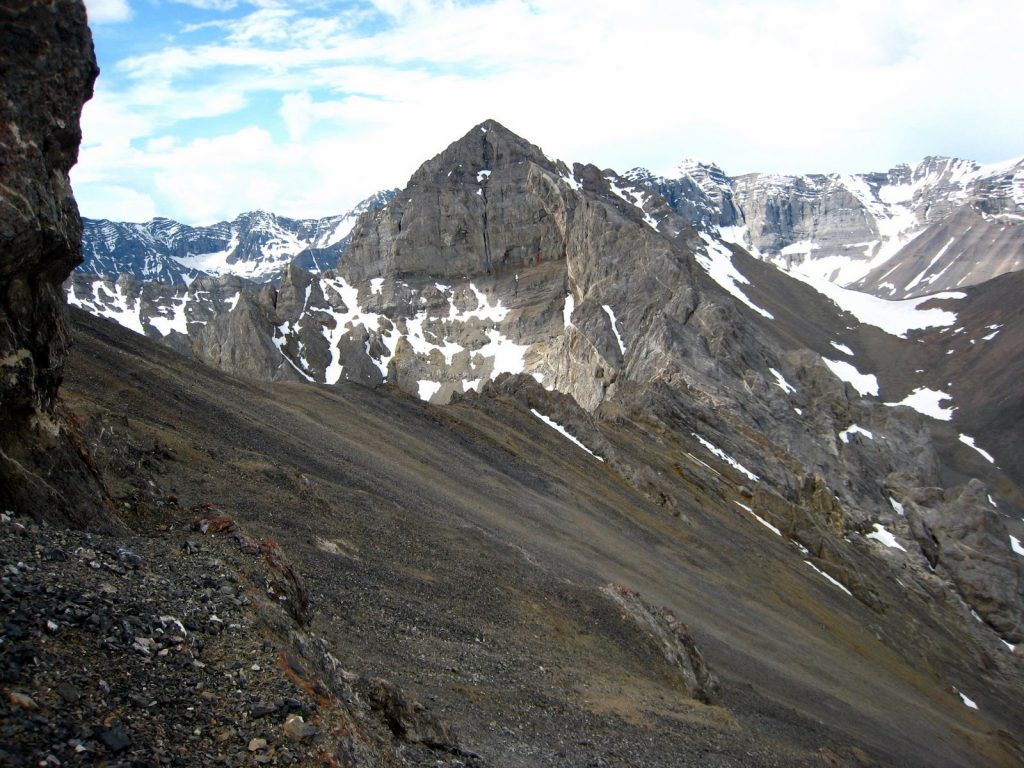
{"points": [[939, 224], [257, 246]]}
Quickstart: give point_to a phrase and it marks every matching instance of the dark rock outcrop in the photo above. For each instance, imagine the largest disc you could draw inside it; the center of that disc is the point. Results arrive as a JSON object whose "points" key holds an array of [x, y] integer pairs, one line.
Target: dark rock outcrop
{"points": [[673, 640], [47, 70]]}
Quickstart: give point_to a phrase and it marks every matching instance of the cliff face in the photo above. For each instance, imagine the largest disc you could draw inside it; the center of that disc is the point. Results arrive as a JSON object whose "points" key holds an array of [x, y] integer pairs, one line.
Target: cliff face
{"points": [[47, 71]]}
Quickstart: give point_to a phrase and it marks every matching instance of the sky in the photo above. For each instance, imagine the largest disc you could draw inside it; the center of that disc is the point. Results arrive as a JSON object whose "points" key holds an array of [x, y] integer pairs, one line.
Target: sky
{"points": [[205, 109]]}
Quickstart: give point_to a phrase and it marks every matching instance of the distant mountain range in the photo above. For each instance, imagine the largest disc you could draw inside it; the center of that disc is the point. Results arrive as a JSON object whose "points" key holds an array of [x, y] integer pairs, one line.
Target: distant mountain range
{"points": [[940, 224], [257, 246]]}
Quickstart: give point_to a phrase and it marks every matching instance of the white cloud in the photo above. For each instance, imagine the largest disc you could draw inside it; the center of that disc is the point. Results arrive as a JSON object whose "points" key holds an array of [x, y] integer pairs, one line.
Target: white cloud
{"points": [[210, 5], [792, 86], [108, 11]]}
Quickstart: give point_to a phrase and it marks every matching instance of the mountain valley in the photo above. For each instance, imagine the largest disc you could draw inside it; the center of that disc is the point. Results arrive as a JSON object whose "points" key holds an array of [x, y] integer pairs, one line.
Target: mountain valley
{"points": [[525, 464]]}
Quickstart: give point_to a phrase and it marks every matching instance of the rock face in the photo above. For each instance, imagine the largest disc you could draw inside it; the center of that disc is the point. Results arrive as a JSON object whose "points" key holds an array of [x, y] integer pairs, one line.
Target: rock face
{"points": [[48, 69], [257, 246], [960, 531], [939, 224]]}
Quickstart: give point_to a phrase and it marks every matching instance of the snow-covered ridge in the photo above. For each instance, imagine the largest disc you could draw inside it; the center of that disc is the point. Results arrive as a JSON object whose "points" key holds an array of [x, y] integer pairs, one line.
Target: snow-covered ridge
{"points": [[837, 227], [257, 245]]}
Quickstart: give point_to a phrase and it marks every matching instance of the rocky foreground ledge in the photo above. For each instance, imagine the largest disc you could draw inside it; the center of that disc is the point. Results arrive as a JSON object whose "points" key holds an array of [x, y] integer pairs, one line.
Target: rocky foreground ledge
{"points": [[184, 647]]}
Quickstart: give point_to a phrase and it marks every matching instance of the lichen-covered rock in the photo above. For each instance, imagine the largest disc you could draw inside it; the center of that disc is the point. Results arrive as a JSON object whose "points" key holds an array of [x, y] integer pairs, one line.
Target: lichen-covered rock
{"points": [[47, 70]]}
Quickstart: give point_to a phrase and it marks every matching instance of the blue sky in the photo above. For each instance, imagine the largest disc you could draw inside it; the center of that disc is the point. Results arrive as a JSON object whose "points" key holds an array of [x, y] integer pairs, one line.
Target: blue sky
{"points": [[208, 108]]}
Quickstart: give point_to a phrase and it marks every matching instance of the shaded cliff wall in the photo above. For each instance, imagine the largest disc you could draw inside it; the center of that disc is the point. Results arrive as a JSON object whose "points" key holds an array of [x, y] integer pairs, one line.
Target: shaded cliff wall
{"points": [[47, 70]]}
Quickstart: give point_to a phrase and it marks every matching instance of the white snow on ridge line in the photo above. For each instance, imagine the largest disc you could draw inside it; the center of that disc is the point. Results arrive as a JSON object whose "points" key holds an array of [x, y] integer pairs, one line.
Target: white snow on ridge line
{"points": [[864, 383], [759, 519], [717, 262], [966, 440], [928, 402], [842, 348], [894, 317], [726, 457], [615, 327], [563, 431], [834, 581]]}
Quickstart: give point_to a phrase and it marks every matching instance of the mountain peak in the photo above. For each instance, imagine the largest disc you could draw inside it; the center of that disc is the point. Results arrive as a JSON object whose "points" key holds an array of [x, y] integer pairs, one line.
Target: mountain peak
{"points": [[487, 146]]}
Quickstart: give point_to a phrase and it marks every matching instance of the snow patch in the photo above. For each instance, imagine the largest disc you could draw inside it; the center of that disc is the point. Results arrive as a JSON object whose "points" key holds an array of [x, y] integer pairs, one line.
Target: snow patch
{"points": [[968, 702], [834, 581], [427, 389], [780, 380], [842, 348], [717, 262], [759, 519], [563, 431], [853, 429], [864, 383], [894, 317], [615, 328], [928, 402], [176, 321], [726, 457], [966, 440], [881, 534]]}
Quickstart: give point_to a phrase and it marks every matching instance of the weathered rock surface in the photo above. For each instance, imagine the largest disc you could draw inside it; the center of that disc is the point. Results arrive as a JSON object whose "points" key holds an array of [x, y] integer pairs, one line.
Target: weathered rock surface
{"points": [[47, 71], [673, 640], [960, 532]]}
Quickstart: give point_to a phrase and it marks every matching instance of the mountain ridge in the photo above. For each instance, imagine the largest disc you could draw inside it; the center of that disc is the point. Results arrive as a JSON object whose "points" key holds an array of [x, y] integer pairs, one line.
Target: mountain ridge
{"points": [[256, 245]]}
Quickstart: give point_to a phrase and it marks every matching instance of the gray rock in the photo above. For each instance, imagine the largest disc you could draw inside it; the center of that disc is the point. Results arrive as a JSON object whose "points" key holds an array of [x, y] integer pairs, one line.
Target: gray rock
{"points": [[47, 72], [959, 532]]}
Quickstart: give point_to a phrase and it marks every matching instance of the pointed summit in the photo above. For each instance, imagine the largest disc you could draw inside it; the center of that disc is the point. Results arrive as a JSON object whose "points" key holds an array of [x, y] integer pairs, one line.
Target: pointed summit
{"points": [[486, 147]]}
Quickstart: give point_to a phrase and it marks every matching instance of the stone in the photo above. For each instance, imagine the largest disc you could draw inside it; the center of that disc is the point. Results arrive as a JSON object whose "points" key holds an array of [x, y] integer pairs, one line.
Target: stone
{"points": [[673, 640], [68, 692], [256, 744], [297, 729], [47, 72], [115, 737]]}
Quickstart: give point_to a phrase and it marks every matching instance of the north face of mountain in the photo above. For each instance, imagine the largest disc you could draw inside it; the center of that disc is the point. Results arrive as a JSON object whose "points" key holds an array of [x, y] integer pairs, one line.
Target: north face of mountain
{"points": [[257, 246], [939, 224]]}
